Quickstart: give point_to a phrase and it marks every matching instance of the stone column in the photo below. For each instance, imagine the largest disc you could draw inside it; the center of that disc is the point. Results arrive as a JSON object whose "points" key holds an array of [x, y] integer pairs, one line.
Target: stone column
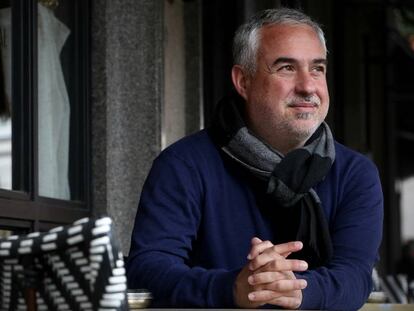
{"points": [[127, 95]]}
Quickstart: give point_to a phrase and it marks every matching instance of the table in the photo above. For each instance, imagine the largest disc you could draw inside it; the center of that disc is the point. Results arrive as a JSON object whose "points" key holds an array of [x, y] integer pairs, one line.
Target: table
{"points": [[387, 307]]}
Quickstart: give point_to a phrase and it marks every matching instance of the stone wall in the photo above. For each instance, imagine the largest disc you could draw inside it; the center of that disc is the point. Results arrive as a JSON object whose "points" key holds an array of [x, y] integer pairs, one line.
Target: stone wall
{"points": [[127, 95]]}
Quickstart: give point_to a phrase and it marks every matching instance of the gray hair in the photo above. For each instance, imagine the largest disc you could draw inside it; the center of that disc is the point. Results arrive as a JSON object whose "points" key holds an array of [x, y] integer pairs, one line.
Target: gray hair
{"points": [[246, 41]]}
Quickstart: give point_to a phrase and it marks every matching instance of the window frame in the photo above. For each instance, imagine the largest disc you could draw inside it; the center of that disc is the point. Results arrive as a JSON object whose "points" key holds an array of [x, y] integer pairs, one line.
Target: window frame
{"points": [[23, 207]]}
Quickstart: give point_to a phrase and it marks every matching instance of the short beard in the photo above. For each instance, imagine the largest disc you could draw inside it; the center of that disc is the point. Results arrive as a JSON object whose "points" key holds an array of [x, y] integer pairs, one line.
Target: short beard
{"points": [[304, 115], [298, 134]]}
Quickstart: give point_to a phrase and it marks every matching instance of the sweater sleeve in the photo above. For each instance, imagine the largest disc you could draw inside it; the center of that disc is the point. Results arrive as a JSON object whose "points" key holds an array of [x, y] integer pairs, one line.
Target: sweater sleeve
{"points": [[165, 228], [356, 232]]}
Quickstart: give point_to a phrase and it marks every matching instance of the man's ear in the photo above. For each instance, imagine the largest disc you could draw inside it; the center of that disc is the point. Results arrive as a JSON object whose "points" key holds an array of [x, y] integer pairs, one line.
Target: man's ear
{"points": [[240, 80]]}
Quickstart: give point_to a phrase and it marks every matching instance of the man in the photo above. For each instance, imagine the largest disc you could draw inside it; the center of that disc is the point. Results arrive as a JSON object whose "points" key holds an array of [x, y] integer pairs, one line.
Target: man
{"points": [[264, 207]]}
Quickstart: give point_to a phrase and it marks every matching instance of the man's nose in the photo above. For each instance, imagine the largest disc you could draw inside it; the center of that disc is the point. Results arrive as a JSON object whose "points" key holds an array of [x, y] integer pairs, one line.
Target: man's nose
{"points": [[305, 83]]}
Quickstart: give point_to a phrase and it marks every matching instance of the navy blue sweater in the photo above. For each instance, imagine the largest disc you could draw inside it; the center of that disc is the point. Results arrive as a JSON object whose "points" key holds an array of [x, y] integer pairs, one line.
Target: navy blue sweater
{"points": [[198, 213]]}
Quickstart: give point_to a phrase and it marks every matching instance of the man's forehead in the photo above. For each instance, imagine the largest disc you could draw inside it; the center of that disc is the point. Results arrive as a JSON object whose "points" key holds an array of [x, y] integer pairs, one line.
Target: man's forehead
{"points": [[291, 38]]}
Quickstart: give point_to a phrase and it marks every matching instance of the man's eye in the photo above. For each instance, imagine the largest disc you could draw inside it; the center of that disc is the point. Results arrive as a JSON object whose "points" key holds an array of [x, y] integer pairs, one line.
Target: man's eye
{"points": [[319, 69], [286, 68]]}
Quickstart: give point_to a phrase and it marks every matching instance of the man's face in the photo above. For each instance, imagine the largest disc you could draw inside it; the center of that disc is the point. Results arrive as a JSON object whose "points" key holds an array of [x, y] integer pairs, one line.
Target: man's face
{"points": [[287, 94]]}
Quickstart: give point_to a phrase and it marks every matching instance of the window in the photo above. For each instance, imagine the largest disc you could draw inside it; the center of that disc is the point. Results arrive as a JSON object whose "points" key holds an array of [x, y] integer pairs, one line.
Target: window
{"points": [[44, 132]]}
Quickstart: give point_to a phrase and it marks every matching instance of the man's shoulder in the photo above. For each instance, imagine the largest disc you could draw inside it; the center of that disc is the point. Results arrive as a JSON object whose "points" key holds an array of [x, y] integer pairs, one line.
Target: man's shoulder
{"points": [[193, 142], [192, 147], [347, 152], [348, 158]]}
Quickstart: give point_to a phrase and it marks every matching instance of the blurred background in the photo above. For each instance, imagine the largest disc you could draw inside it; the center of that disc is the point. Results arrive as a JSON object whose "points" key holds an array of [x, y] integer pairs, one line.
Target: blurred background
{"points": [[92, 91]]}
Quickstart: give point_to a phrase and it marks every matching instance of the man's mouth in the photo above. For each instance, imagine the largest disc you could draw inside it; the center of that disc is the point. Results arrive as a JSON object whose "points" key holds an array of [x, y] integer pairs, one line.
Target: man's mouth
{"points": [[304, 106]]}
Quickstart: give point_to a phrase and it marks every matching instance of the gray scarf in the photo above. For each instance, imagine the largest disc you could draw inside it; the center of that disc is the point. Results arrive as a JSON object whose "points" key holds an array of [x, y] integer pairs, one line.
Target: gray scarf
{"points": [[289, 179]]}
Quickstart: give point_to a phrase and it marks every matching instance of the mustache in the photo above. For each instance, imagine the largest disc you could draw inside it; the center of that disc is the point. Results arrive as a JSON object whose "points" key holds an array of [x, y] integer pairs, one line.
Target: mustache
{"points": [[311, 100]]}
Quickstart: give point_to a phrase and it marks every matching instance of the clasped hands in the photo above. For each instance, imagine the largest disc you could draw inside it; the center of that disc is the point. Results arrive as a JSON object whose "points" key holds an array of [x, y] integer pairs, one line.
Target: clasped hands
{"points": [[268, 277]]}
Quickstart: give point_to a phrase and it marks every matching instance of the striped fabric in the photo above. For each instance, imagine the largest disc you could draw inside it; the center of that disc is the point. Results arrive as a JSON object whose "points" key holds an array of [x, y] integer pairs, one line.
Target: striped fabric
{"points": [[77, 267], [398, 288]]}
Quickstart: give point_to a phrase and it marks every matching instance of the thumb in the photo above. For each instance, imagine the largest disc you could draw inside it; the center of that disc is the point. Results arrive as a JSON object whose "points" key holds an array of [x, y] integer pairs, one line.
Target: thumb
{"points": [[256, 241]]}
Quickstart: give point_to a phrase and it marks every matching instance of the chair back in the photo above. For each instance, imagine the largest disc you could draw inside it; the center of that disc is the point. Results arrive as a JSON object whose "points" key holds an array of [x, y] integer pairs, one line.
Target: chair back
{"points": [[76, 267]]}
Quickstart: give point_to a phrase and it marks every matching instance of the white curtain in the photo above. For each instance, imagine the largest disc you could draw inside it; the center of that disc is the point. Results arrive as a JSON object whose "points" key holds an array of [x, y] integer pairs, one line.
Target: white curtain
{"points": [[5, 121], [54, 109]]}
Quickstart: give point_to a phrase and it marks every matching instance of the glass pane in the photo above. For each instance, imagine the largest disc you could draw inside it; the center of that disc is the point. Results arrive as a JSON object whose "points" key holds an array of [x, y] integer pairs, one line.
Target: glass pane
{"points": [[407, 210], [5, 97], [5, 233], [59, 116], [402, 48]]}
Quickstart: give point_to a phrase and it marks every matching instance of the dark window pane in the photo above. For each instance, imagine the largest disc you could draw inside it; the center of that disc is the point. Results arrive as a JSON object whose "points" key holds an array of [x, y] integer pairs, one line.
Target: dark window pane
{"points": [[5, 97], [5, 233]]}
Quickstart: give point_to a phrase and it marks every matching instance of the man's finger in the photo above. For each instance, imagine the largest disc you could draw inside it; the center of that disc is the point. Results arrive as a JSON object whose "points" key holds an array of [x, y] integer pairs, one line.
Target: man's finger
{"points": [[263, 296], [265, 281], [265, 262], [284, 249], [258, 247], [287, 265], [287, 302], [289, 247], [263, 259], [265, 277], [275, 298], [269, 277], [288, 285], [256, 240]]}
